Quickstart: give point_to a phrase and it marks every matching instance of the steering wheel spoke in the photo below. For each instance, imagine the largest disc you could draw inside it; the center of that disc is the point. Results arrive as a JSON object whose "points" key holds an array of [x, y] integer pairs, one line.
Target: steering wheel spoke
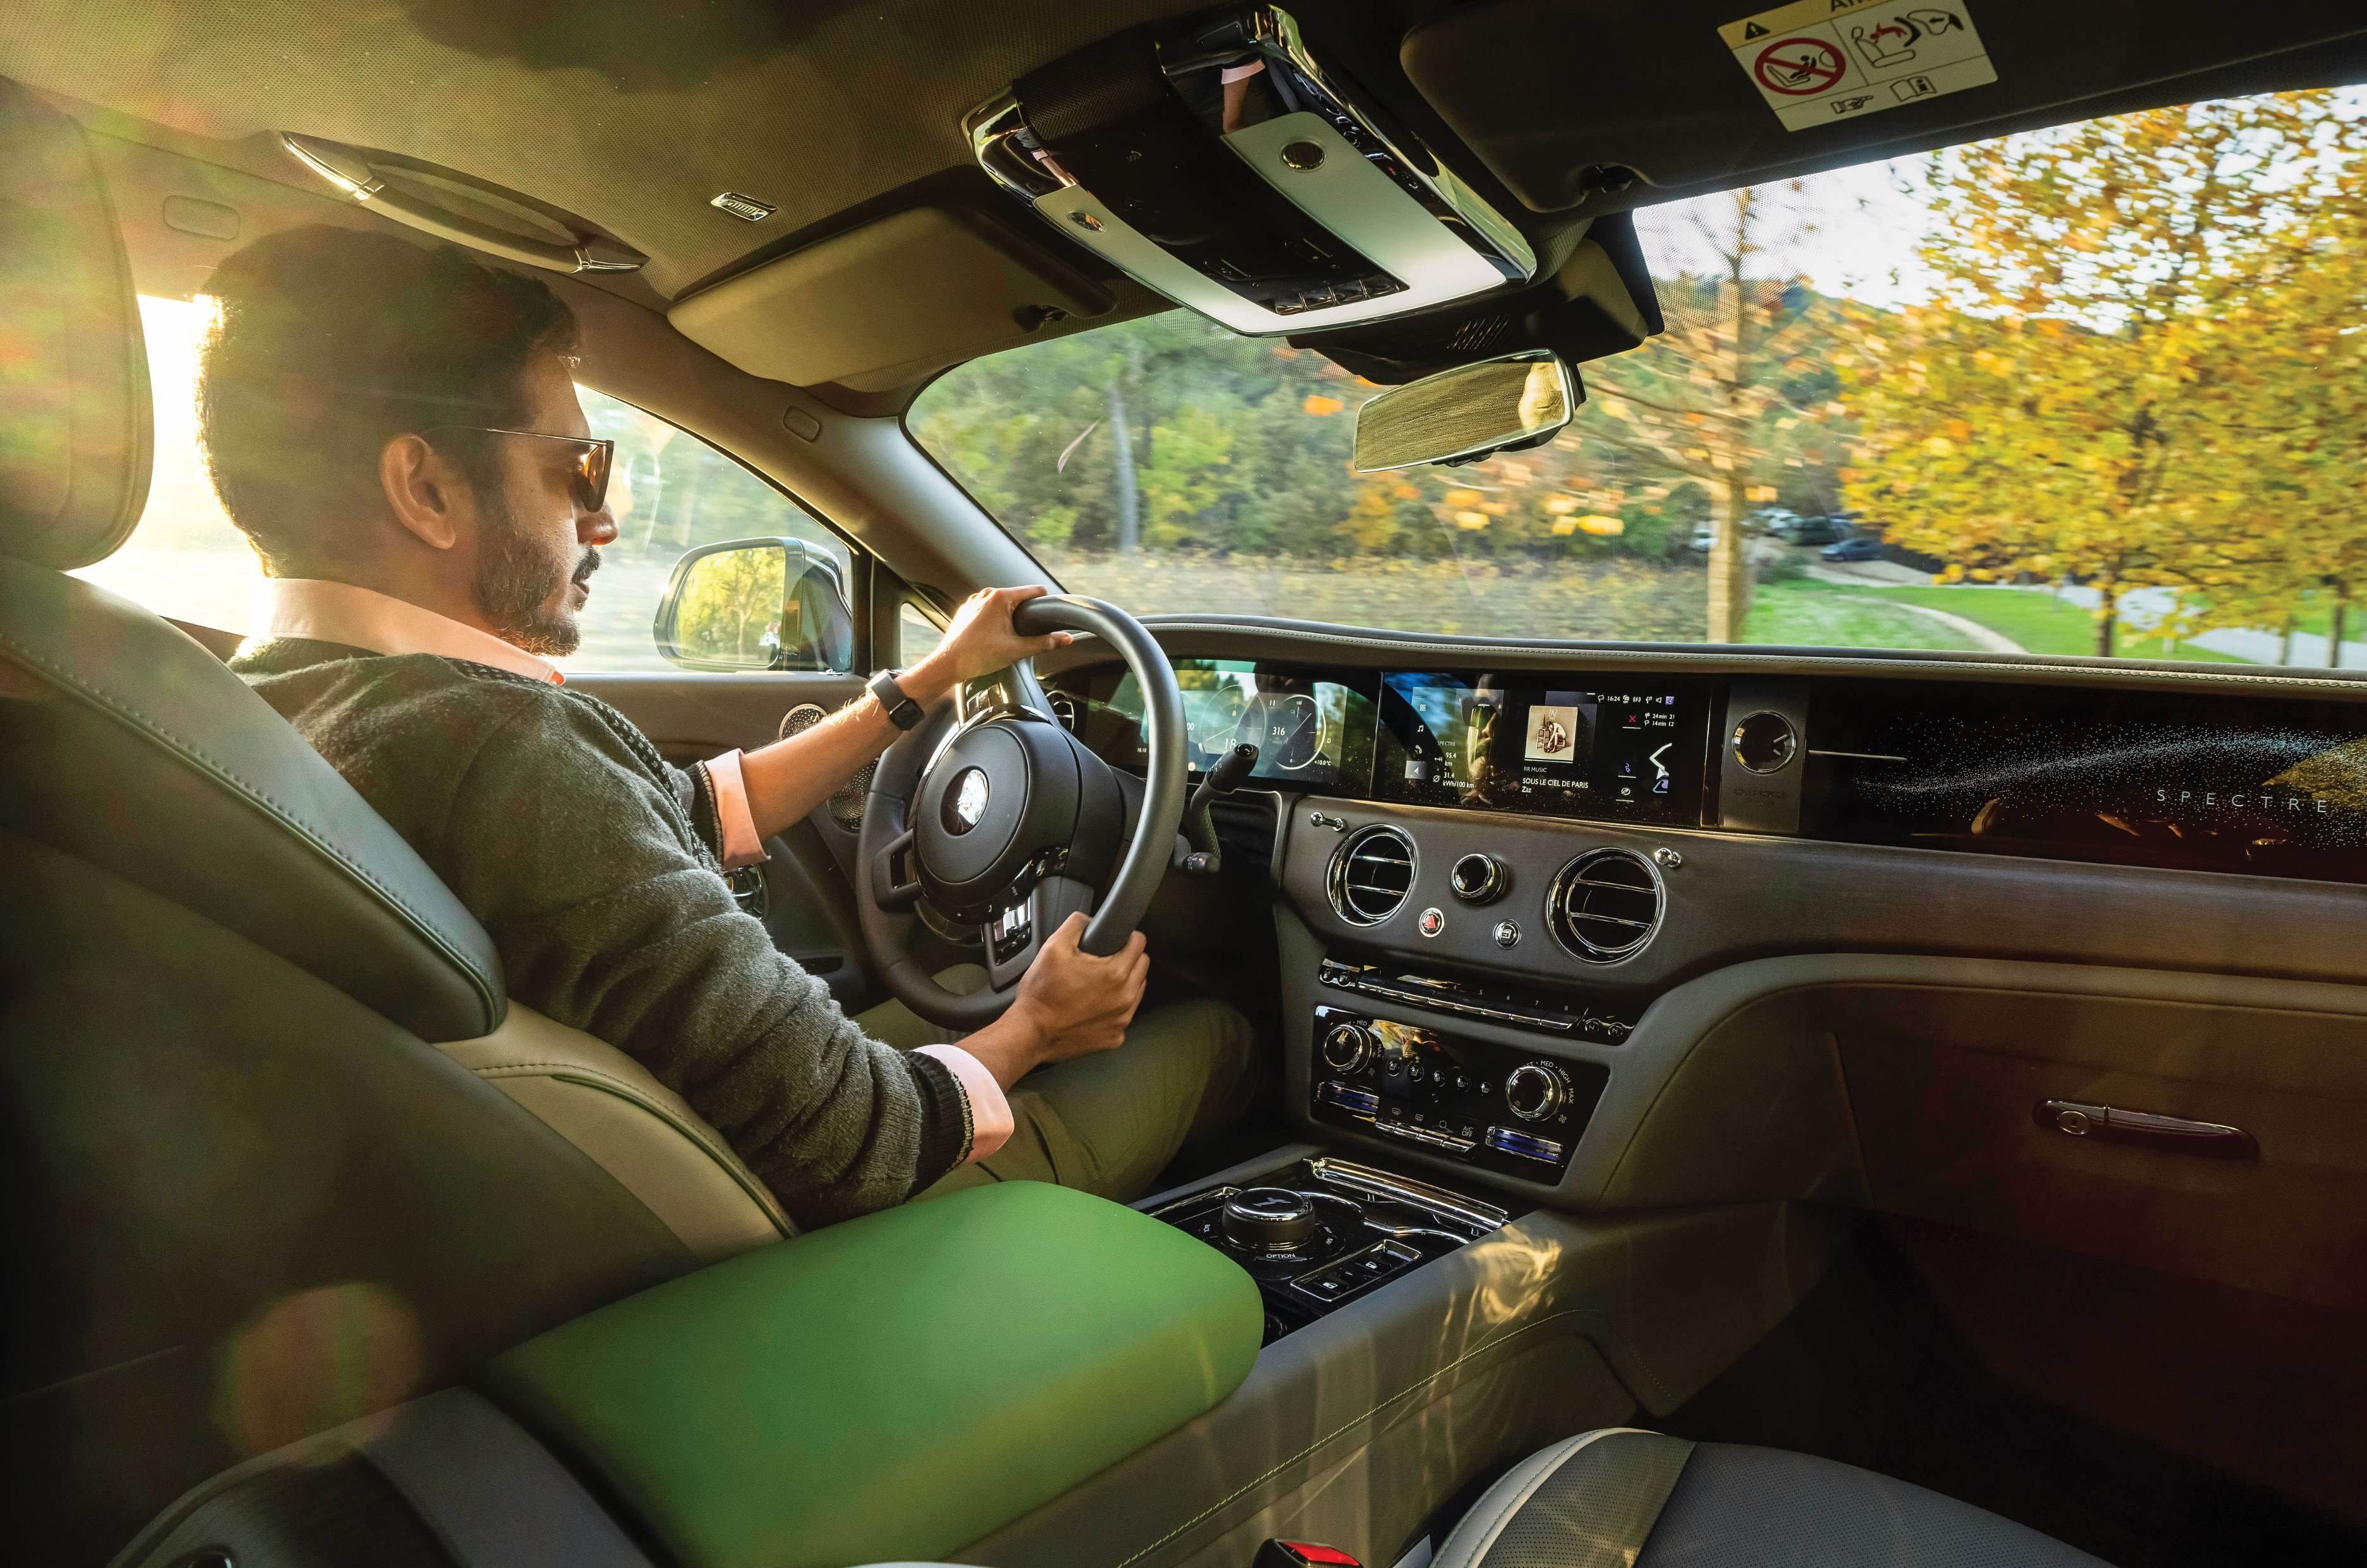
{"points": [[1013, 940], [886, 890]]}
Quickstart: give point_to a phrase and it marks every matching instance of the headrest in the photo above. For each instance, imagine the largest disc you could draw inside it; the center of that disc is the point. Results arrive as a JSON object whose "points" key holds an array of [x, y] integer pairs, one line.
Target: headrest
{"points": [[73, 370]]}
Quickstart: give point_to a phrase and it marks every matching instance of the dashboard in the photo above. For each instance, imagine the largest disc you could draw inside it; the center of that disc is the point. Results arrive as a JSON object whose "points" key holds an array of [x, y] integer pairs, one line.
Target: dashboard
{"points": [[1512, 887], [2201, 779]]}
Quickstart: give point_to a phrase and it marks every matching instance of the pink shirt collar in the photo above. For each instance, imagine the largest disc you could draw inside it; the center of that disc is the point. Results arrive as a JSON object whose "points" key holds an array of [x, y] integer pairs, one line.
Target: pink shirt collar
{"points": [[361, 618]]}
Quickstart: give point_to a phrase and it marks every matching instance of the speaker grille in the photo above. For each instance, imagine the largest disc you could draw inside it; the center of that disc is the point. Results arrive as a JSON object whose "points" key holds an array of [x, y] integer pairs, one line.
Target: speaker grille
{"points": [[847, 806]]}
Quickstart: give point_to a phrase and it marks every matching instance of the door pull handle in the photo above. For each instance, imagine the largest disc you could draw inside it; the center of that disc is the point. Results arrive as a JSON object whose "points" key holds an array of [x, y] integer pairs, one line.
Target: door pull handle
{"points": [[2172, 1134]]}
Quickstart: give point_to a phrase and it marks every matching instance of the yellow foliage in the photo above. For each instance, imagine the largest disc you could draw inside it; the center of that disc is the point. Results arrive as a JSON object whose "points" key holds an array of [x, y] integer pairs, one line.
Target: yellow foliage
{"points": [[1321, 406], [1599, 525]]}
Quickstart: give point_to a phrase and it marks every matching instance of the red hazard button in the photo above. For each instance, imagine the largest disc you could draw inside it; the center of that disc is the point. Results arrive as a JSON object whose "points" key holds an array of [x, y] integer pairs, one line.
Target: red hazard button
{"points": [[1431, 923]]}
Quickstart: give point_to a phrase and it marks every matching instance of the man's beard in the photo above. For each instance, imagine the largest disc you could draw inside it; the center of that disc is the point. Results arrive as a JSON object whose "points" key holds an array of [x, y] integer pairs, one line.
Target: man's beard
{"points": [[517, 585]]}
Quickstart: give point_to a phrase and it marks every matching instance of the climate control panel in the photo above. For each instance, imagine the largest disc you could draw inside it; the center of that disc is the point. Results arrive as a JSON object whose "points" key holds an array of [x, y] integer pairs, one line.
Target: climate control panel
{"points": [[1495, 1107]]}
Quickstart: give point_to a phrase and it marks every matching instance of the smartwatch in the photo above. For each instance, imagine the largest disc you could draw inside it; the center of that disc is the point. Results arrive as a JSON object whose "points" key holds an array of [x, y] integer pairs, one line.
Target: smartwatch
{"points": [[902, 712]]}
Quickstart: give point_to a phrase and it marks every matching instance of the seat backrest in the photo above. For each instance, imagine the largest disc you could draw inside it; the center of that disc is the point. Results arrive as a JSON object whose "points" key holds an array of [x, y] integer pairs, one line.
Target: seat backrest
{"points": [[243, 1198]]}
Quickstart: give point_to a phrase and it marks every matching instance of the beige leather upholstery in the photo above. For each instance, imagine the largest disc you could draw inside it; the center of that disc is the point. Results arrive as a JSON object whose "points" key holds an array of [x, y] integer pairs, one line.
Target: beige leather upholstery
{"points": [[633, 1127]]}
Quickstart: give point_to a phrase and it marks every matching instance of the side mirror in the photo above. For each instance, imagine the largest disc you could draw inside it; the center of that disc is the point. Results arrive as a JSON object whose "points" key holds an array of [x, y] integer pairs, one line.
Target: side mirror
{"points": [[1462, 415], [755, 604]]}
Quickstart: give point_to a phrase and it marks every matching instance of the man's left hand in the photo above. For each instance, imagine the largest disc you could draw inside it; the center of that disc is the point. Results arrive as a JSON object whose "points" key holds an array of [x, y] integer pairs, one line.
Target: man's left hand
{"points": [[979, 641]]}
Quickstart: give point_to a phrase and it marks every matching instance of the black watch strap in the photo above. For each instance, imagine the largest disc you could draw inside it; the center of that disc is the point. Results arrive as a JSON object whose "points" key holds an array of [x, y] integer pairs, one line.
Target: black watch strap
{"points": [[902, 712]]}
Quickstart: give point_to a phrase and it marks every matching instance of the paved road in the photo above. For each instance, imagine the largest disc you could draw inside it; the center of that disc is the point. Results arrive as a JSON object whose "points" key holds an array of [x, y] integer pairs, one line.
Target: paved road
{"points": [[1863, 575], [2140, 607]]}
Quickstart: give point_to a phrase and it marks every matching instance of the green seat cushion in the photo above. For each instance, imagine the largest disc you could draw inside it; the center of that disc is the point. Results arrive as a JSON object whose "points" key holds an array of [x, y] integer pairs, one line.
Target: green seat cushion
{"points": [[896, 1386]]}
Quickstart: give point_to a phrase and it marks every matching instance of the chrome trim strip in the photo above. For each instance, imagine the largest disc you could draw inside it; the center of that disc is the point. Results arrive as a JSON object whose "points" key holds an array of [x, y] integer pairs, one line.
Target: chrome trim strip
{"points": [[1469, 1009], [1436, 1140], [1371, 1183]]}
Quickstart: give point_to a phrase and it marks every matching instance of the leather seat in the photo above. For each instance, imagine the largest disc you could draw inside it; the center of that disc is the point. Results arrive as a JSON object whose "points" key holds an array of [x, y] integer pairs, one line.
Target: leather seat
{"points": [[1647, 1500], [244, 1195]]}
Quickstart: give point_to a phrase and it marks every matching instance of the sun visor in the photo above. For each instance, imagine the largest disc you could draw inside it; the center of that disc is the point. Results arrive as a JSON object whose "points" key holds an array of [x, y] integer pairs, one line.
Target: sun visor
{"points": [[1560, 98], [878, 306], [1223, 164]]}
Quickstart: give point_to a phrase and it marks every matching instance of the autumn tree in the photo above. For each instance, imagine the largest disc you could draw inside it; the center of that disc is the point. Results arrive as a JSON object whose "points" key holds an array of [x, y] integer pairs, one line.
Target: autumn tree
{"points": [[1706, 399], [2068, 405], [2291, 403]]}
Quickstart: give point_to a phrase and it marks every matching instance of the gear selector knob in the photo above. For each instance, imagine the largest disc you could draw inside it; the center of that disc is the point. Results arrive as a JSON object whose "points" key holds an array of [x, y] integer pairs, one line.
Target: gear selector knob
{"points": [[1269, 1219]]}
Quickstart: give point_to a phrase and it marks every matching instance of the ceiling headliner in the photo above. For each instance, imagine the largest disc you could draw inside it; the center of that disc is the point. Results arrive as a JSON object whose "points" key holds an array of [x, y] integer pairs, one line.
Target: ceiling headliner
{"points": [[630, 112]]}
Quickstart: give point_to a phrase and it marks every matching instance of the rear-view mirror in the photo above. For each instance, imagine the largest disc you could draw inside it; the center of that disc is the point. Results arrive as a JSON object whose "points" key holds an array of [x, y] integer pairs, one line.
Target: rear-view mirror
{"points": [[1520, 399], [755, 604]]}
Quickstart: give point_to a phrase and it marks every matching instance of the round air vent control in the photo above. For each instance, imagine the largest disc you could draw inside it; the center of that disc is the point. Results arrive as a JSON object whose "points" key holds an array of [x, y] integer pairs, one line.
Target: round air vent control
{"points": [[1765, 743]]}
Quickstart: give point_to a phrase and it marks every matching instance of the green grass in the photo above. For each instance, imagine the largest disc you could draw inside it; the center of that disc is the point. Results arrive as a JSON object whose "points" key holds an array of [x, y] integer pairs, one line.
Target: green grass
{"points": [[2044, 624], [1809, 614], [2040, 623]]}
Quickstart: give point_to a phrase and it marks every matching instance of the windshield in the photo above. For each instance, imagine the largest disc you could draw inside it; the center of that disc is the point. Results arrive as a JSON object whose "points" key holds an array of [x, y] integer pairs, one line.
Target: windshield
{"points": [[2100, 389]]}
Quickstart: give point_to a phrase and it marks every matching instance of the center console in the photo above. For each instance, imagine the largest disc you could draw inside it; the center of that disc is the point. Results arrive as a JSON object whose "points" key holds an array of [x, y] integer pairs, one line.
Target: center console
{"points": [[1322, 1232]]}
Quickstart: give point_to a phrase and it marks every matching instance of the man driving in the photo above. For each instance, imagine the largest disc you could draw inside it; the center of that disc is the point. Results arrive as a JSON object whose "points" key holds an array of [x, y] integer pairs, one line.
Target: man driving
{"points": [[396, 431]]}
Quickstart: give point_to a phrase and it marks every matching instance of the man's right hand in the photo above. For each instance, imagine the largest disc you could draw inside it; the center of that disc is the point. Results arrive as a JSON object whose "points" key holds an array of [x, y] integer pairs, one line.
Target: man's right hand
{"points": [[1079, 1004]]}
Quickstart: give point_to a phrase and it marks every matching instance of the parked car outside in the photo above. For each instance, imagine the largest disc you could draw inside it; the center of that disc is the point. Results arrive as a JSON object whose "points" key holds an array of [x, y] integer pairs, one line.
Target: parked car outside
{"points": [[1857, 547]]}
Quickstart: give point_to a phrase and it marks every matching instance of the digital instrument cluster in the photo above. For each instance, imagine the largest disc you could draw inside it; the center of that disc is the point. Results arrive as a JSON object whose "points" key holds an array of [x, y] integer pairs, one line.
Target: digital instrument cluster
{"points": [[1311, 732]]}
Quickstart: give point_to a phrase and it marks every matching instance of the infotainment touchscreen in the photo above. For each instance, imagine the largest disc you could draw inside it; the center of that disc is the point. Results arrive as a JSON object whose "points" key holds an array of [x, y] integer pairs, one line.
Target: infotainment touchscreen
{"points": [[1559, 746]]}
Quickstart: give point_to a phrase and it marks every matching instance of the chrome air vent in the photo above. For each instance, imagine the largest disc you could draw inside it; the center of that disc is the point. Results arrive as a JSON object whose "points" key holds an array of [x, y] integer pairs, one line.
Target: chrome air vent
{"points": [[1371, 875], [1605, 905]]}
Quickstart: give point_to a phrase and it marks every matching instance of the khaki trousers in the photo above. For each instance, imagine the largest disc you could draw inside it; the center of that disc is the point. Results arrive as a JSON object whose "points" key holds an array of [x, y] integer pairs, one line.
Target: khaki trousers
{"points": [[1107, 1124]]}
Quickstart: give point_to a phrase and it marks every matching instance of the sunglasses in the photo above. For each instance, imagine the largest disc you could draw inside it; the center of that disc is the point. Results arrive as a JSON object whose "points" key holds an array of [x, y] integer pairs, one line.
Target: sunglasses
{"points": [[589, 475]]}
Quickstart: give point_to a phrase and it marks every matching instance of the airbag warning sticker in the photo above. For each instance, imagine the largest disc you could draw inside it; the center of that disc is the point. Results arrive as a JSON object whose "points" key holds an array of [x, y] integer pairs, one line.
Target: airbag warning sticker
{"points": [[1819, 61]]}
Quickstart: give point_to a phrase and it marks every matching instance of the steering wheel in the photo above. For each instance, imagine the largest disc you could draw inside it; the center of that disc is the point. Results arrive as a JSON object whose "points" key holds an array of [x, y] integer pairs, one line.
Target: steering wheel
{"points": [[1007, 823]]}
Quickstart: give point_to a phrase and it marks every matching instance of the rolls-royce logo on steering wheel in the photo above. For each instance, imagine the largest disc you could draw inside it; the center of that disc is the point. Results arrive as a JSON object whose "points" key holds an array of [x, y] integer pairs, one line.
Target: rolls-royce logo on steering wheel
{"points": [[965, 801]]}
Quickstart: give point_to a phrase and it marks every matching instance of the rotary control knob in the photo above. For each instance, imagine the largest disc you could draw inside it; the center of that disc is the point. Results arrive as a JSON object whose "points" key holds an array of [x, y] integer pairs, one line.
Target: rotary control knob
{"points": [[1764, 743], [1347, 1047], [1269, 1219], [1478, 879], [1535, 1091]]}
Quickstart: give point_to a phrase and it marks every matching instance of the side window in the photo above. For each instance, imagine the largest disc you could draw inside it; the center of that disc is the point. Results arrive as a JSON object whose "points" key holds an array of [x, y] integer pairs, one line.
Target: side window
{"points": [[916, 635], [671, 491], [186, 559]]}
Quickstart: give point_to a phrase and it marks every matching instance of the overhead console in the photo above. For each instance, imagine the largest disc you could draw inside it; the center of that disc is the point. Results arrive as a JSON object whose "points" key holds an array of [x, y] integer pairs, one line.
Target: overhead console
{"points": [[1223, 164]]}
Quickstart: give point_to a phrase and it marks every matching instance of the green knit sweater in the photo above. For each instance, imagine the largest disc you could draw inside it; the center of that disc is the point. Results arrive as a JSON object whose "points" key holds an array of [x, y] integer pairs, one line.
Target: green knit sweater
{"points": [[593, 865]]}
